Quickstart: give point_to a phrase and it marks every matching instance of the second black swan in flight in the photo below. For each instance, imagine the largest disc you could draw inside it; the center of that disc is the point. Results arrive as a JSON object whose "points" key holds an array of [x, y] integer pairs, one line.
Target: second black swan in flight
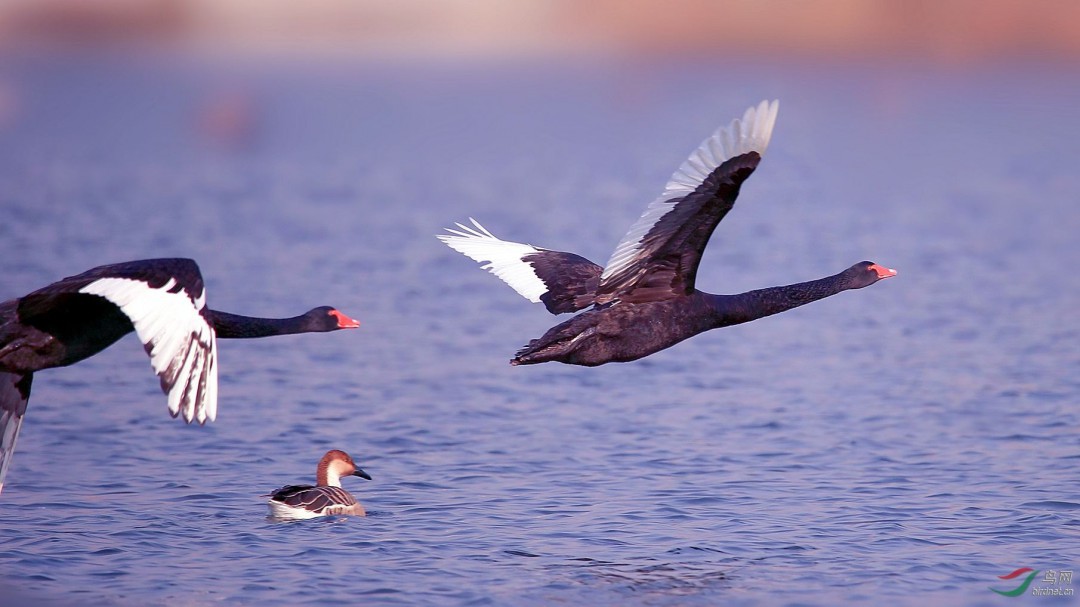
{"points": [[645, 299], [163, 301]]}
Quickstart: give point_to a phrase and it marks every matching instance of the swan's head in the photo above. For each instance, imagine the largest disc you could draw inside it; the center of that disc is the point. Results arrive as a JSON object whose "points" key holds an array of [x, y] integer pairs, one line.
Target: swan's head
{"points": [[866, 273], [326, 318]]}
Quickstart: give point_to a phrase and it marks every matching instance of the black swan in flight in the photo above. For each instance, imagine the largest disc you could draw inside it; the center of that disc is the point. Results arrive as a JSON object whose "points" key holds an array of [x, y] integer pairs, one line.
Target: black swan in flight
{"points": [[326, 498], [645, 300], [163, 301]]}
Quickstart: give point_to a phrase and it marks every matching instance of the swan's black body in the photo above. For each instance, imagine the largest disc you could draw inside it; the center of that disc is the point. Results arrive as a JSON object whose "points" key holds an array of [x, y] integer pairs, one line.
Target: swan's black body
{"points": [[624, 332]]}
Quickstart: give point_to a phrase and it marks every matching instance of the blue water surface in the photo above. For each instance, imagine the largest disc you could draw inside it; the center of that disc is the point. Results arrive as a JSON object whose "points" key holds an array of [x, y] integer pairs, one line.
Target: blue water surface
{"points": [[903, 444]]}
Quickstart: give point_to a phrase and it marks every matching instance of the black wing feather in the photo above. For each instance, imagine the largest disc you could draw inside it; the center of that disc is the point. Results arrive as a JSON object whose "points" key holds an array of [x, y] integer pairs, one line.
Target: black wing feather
{"points": [[571, 280], [14, 395], [666, 262]]}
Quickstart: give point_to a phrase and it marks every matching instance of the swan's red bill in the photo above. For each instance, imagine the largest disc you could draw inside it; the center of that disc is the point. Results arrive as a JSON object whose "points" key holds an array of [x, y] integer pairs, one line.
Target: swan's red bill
{"points": [[344, 322], [882, 271]]}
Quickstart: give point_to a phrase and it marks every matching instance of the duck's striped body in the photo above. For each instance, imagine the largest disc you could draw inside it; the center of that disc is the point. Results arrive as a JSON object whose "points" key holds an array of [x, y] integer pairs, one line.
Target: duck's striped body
{"points": [[307, 501]]}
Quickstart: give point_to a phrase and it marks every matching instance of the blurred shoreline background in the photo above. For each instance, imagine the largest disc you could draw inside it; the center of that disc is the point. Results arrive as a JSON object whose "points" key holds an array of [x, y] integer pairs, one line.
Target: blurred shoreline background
{"points": [[949, 32]]}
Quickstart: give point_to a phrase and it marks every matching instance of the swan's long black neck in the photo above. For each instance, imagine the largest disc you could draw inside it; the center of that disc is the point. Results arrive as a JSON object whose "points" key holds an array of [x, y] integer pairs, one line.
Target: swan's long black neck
{"points": [[736, 309], [228, 325]]}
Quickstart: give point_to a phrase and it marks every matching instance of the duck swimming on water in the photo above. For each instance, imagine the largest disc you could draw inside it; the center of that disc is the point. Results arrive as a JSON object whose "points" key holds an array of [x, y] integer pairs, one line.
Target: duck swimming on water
{"points": [[326, 497]]}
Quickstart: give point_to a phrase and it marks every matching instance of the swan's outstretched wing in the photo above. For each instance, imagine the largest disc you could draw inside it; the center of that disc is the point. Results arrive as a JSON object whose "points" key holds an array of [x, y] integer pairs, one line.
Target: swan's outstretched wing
{"points": [[658, 258], [165, 301], [14, 394], [564, 282]]}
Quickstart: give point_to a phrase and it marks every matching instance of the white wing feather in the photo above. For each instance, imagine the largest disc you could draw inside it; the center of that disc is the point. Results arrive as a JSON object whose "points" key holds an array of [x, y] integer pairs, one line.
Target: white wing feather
{"points": [[751, 133], [504, 258], [181, 345]]}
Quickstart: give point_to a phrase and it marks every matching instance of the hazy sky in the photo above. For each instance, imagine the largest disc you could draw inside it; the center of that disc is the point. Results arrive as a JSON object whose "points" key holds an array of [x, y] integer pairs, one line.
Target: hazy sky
{"points": [[938, 30]]}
